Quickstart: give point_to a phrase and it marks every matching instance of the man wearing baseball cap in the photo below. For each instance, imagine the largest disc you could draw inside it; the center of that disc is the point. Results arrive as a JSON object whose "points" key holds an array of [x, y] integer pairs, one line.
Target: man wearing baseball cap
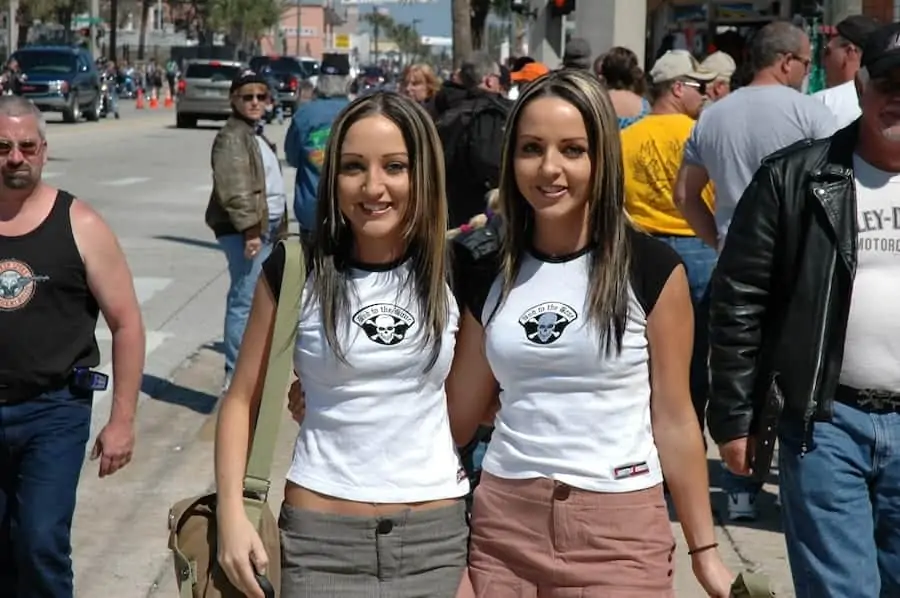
{"points": [[841, 59], [803, 302], [724, 67], [247, 207], [525, 75], [651, 152]]}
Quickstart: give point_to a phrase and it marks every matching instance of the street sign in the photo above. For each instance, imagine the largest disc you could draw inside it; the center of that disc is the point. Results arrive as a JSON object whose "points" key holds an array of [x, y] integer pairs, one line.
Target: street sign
{"points": [[86, 21], [342, 41]]}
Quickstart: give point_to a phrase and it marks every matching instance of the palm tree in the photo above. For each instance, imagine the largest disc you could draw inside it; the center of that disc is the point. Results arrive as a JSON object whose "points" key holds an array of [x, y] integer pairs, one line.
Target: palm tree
{"points": [[462, 31], [407, 39], [380, 24]]}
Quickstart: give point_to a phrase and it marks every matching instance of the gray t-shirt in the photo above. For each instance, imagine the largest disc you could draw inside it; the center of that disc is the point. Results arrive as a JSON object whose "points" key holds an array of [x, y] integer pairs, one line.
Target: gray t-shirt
{"points": [[733, 135]]}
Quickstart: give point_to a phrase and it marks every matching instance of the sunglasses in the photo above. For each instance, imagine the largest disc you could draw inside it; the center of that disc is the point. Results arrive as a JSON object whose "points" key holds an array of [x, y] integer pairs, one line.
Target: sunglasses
{"points": [[249, 97], [28, 147], [700, 86]]}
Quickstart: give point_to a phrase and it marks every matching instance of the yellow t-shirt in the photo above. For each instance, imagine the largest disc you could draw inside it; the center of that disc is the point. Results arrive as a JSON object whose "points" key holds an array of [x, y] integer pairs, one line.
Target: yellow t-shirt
{"points": [[651, 150]]}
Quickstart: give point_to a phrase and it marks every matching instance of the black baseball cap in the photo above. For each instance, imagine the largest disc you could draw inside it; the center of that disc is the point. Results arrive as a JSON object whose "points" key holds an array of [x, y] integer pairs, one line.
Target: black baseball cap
{"points": [[857, 29], [335, 64], [247, 77], [881, 54]]}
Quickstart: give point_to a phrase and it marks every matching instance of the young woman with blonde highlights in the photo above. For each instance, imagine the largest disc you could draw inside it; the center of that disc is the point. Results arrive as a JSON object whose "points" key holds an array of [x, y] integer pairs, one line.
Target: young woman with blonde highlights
{"points": [[587, 330], [373, 497]]}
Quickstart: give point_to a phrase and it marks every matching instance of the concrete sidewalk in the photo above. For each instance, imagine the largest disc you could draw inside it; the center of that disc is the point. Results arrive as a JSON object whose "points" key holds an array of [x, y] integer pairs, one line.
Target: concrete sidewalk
{"points": [[757, 548]]}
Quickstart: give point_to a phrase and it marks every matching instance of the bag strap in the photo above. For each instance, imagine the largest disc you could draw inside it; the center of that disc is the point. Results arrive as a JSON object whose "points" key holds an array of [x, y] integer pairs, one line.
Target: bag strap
{"points": [[278, 369]]}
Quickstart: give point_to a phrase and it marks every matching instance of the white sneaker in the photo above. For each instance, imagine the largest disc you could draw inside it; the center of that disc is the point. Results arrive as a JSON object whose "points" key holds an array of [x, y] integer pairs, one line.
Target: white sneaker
{"points": [[741, 506], [226, 383]]}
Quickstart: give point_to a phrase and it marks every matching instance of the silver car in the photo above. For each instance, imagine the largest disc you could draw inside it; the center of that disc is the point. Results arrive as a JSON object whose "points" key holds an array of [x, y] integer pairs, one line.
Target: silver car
{"points": [[203, 91]]}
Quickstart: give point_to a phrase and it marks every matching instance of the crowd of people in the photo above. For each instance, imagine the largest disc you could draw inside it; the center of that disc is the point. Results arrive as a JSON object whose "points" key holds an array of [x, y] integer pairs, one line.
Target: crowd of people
{"points": [[659, 251], [545, 299]]}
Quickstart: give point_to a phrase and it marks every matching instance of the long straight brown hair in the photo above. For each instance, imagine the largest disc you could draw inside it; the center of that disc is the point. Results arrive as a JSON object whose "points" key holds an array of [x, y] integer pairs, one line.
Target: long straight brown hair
{"points": [[607, 303], [424, 222]]}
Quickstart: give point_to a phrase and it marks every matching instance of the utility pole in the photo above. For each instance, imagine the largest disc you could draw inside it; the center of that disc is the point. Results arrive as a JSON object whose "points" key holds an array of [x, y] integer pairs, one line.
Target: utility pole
{"points": [[113, 28], [299, 12], [13, 26], [375, 22], [95, 18], [415, 26]]}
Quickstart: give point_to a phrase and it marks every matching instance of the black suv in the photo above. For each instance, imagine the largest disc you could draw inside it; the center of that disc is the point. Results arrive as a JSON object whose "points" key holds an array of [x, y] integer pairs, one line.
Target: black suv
{"points": [[286, 72], [61, 79]]}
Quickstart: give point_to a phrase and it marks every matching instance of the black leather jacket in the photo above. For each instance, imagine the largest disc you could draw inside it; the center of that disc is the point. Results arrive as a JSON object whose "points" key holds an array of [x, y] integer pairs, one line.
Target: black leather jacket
{"points": [[781, 289]]}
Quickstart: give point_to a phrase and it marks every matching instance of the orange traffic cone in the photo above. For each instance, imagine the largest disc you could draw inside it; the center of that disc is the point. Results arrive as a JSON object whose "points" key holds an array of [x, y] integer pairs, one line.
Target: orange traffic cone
{"points": [[169, 102], [139, 105], [154, 102]]}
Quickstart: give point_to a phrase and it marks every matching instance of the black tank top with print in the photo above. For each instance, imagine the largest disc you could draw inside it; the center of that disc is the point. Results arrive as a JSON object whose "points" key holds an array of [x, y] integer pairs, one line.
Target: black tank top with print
{"points": [[48, 314]]}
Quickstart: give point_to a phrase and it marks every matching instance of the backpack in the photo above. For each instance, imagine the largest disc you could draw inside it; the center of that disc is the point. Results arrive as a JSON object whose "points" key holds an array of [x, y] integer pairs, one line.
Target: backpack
{"points": [[472, 137]]}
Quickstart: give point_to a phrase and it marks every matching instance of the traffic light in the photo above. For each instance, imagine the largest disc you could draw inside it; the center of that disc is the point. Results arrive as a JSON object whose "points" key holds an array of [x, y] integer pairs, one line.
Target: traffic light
{"points": [[561, 8]]}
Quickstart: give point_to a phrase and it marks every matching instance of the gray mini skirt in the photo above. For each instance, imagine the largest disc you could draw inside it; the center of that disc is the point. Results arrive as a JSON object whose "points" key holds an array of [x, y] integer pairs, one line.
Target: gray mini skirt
{"points": [[410, 554]]}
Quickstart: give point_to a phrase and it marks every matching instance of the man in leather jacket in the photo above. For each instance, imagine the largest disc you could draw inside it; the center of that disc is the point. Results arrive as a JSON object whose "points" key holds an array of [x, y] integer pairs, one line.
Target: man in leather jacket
{"points": [[247, 207], [803, 302]]}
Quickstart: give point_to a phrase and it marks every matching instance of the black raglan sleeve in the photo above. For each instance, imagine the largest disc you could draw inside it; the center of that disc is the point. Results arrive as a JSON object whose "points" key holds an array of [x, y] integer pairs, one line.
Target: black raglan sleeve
{"points": [[273, 269], [652, 262]]}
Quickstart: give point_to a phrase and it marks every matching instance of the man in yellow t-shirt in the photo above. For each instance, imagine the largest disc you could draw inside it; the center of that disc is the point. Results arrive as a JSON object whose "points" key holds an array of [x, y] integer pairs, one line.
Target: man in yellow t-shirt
{"points": [[651, 150]]}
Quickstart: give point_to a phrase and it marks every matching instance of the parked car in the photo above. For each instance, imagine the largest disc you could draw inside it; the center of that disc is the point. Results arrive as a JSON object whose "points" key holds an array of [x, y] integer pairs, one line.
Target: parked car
{"points": [[288, 72], [61, 79], [203, 92]]}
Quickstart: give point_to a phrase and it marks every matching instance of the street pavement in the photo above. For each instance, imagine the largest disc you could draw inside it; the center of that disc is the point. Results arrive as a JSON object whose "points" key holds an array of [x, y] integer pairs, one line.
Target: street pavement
{"points": [[151, 182]]}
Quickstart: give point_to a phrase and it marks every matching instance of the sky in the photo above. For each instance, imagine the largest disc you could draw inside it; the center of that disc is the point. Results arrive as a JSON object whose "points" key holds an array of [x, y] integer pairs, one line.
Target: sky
{"points": [[436, 19]]}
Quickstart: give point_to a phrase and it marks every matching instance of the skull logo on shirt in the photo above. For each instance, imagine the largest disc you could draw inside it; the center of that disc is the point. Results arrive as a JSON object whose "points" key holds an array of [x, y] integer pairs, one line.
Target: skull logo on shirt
{"points": [[545, 323], [384, 323]]}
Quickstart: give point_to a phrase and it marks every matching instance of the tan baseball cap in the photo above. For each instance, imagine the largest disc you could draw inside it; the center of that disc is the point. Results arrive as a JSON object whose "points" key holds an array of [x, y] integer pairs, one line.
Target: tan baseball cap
{"points": [[679, 64], [721, 64]]}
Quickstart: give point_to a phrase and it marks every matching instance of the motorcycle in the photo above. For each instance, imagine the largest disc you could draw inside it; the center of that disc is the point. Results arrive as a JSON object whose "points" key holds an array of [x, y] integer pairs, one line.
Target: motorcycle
{"points": [[9, 87], [105, 104]]}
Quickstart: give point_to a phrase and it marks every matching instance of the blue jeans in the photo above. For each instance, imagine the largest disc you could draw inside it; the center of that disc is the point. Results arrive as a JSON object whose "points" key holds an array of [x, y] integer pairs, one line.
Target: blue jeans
{"points": [[243, 273], [841, 505], [113, 101], [42, 447], [699, 261]]}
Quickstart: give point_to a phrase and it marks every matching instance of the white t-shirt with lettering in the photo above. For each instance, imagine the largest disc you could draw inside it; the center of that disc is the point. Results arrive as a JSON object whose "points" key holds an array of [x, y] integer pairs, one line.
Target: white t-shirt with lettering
{"points": [[872, 346]]}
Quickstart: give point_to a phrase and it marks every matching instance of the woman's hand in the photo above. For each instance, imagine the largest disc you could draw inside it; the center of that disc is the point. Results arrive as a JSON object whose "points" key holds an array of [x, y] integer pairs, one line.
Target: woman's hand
{"points": [[242, 555], [297, 402], [712, 573]]}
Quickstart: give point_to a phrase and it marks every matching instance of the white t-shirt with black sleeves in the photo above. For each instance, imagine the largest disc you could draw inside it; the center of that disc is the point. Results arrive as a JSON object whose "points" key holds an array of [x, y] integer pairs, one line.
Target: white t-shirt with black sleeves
{"points": [[569, 410], [376, 428]]}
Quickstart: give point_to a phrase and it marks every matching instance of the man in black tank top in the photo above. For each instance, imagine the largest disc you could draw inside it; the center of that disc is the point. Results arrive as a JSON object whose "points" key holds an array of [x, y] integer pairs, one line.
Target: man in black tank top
{"points": [[60, 266]]}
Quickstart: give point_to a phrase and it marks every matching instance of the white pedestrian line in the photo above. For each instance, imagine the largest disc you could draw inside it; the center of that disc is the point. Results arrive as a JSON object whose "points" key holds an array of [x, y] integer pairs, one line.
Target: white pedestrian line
{"points": [[207, 188], [51, 175], [147, 286], [100, 410], [126, 182]]}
